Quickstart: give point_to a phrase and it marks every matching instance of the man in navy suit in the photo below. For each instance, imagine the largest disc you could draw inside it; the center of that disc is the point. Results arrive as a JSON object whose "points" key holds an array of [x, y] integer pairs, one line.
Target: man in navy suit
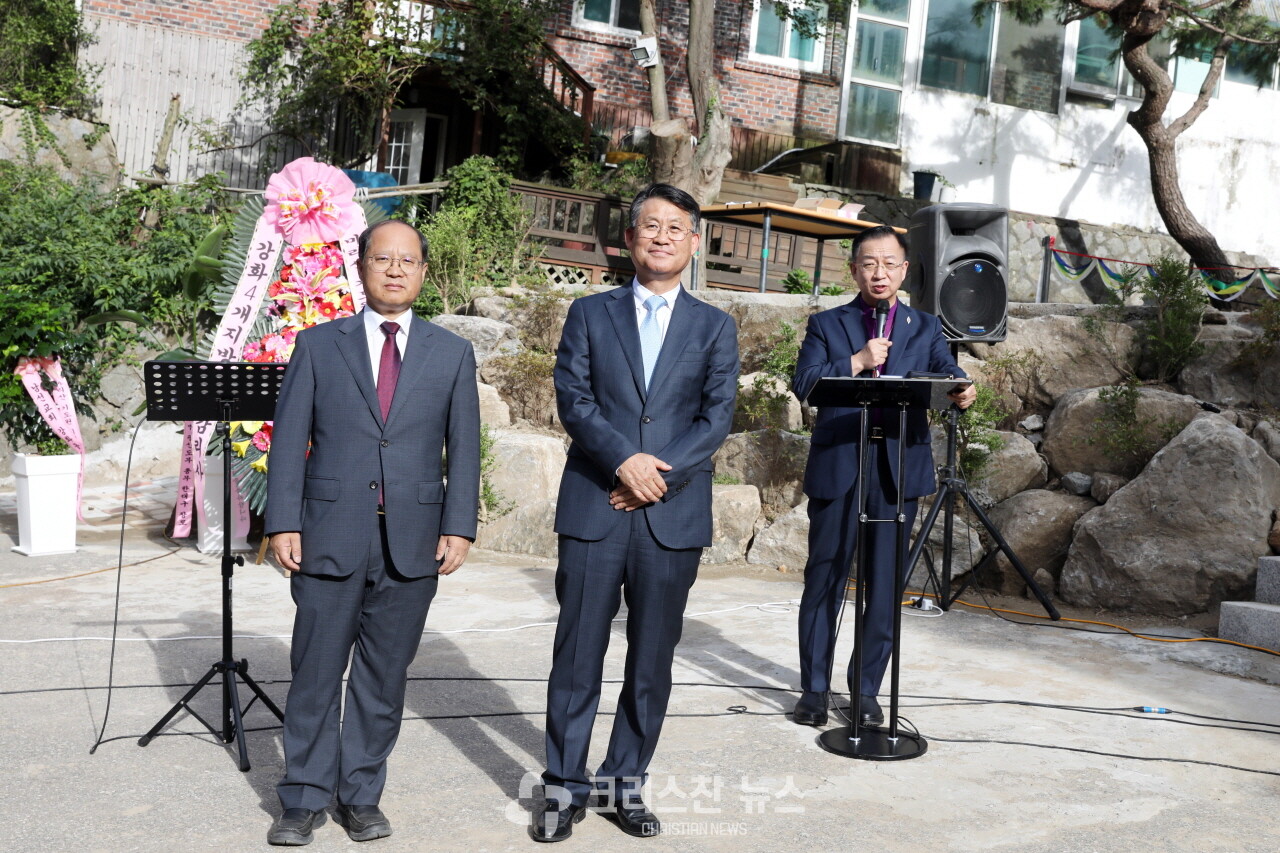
{"points": [[369, 406], [645, 378], [844, 342]]}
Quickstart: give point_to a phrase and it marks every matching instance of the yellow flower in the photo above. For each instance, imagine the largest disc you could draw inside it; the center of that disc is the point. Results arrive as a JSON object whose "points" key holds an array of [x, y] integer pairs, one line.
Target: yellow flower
{"points": [[241, 447], [250, 427], [259, 464]]}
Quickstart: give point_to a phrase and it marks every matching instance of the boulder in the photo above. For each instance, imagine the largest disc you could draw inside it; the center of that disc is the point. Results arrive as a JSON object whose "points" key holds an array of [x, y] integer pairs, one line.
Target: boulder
{"points": [[759, 317], [1269, 437], [493, 409], [753, 391], [1037, 525], [1061, 354], [1078, 420], [527, 466], [1076, 483], [488, 337], [785, 542], [528, 527], [1032, 423], [966, 546], [1011, 469], [1185, 534], [1274, 538], [1105, 485], [771, 460], [1230, 372], [734, 512]]}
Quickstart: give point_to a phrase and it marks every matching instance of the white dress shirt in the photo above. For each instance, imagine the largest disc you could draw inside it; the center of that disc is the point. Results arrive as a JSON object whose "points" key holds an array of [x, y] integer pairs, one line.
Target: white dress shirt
{"points": [[375, 336], [641, 293]]}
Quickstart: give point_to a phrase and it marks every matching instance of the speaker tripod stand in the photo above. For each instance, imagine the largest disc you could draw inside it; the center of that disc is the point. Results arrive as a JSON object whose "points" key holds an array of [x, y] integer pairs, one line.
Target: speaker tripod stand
{"points": [[952, 486], [227, 391]]}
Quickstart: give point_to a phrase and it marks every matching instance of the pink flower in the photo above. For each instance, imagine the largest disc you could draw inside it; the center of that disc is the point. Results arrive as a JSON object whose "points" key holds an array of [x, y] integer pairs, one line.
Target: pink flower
{"points": [[262, 438], [310, 202]]}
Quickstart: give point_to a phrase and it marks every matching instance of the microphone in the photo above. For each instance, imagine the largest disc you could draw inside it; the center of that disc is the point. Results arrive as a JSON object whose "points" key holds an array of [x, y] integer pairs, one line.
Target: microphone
{"points": [[882, 320], [882, 317]]}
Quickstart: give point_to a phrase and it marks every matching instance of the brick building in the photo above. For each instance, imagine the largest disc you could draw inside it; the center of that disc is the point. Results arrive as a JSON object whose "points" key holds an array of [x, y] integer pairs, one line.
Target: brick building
{"points": [[1028, 117]]}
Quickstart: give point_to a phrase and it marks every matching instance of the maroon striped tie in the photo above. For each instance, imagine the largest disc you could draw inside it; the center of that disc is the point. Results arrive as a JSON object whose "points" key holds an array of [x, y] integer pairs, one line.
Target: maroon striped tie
{"points": [[388, 368]]}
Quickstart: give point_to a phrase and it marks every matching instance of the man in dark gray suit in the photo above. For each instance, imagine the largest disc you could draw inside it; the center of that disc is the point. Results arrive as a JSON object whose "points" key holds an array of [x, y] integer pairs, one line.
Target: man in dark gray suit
{"points": [[362, 515], [645, 378]]}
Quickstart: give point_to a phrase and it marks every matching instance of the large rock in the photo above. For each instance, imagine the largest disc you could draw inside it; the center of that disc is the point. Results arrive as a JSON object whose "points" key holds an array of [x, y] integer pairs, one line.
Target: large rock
{"points": [[1052, 355], [494, 411], [771, 460], [1230, 372], [1269, 437], [527, 466], [757, 391], [526, 528], [488, 337], [68, 151], [1072, 437], [785, 543], [966, 546], [1037, 525], [759, 317], [734, 512], [1011, 469], [1185, 534], [526, 384]]}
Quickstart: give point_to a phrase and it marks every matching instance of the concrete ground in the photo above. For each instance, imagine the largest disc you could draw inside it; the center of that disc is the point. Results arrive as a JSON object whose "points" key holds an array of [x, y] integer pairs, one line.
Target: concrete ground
{"points": [[1029, 748]]}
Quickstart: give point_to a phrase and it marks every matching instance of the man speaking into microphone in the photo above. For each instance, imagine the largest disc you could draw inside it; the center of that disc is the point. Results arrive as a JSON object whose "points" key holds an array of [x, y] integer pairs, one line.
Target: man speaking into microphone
{"points": [[874, 334]]}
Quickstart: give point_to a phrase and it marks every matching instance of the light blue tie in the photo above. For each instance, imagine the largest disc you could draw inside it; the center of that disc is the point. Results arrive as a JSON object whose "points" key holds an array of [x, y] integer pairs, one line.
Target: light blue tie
{"points": [[651, 336]]}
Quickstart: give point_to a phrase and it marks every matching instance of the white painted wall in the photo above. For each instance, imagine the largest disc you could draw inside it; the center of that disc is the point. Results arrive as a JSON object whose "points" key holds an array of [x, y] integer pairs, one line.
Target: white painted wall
{"points": [[1088, 164]]}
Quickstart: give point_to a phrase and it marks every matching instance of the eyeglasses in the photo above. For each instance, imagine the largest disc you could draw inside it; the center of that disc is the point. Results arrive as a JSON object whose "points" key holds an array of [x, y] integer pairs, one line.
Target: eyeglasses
{"points": [[869, 267], [650, 230], [382, 263]]}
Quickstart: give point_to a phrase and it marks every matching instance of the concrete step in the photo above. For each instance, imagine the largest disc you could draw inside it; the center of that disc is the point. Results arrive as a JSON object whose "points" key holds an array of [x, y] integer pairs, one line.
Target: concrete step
{"points": [[1254, 623], [1267, 590]]}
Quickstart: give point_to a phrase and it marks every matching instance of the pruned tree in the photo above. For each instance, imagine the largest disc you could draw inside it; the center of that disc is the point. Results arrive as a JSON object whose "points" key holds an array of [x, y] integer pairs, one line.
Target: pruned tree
{"points": [[693, 153], [1197, 28]]}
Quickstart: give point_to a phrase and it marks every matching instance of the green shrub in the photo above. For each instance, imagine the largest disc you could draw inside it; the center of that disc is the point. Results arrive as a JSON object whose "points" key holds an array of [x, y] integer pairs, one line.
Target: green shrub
{"points": [[762, 405], [797, 281], [1128, 439]]}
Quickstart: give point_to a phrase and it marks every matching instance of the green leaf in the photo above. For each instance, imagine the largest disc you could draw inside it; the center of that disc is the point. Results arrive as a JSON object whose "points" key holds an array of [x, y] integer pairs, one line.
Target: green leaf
{"points": [[121, 316]]}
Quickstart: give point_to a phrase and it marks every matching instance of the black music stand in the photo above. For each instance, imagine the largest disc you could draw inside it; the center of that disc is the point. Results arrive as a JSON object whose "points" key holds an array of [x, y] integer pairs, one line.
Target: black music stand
{"points": [[856, 740], [221, 392]]}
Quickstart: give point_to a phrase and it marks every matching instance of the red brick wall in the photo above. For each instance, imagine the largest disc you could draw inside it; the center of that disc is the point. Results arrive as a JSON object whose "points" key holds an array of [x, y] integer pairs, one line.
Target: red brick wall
{"points": [[756, 95], [237, 20]]}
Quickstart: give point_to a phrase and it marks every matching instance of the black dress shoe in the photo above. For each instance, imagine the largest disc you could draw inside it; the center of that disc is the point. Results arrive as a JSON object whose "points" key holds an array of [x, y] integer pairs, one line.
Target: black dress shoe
{"points": [[871, 713], [293, 828], [636, 819], [363, 823], [811, 710], [554, 823]]}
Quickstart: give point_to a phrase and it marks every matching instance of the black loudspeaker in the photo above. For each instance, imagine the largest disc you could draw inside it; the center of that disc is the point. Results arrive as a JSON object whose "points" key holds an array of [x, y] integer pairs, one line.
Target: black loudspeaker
{"points": [[959, 264]]}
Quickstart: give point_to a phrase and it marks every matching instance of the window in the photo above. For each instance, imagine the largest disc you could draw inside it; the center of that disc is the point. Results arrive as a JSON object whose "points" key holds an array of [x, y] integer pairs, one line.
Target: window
{"points": [[875, 76], [776, 37], [1027, 72], [957, 52], [609, 14], [1097, 62], [1239, 59]]}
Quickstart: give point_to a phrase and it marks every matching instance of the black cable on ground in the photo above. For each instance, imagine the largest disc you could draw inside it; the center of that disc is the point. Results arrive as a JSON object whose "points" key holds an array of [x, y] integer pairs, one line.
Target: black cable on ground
{"points": [[115, 616]]}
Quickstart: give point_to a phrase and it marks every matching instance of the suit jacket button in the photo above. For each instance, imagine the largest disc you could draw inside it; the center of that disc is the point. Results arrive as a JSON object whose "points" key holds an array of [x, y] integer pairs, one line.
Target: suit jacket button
{"points": [[385, 443], [646, 419], [374, 484]]}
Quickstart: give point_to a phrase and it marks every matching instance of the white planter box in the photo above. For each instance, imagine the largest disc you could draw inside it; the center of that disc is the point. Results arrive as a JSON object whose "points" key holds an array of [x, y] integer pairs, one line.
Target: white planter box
{"points": [[46, 488]]}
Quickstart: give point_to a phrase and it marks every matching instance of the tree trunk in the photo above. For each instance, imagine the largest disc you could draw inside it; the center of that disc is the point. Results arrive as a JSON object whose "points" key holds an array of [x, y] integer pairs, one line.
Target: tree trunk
{"points": [[1161, 139], [714, 134], [673, 155]]}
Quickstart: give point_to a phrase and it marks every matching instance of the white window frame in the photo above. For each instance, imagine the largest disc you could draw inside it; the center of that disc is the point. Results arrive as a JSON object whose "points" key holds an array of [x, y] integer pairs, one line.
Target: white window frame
{"points": [[581, 21], [819, 61], [912, 45]]}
